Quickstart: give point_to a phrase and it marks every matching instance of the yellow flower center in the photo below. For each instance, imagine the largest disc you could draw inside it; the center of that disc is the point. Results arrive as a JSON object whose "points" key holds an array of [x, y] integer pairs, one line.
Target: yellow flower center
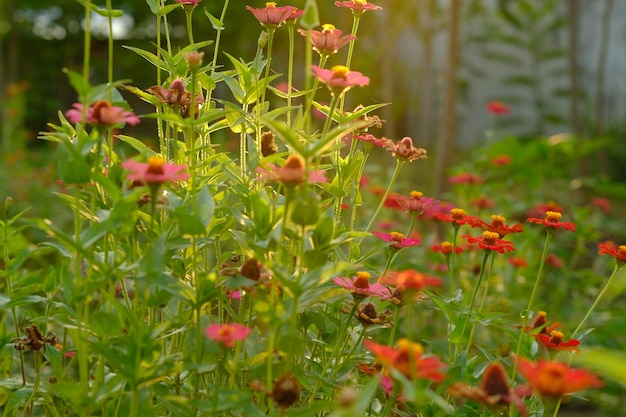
{"points": [[497, 220], [416, 194], [397, 236], [362, 2], [340, 71], [490, 238], [294, 162], [622, 250], [226, 331], [270, 4], [408, 346], [457, 213], [155, 165], [328, 28], [553, 216], [556, 337], [447, 246], [362, 279]]}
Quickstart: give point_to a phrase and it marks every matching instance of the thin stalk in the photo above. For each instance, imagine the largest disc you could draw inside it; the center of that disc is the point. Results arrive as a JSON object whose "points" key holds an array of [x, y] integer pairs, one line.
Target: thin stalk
{"points": [[482, 301], [473, 300], [451, 261], [188, 16], [292, 30]]}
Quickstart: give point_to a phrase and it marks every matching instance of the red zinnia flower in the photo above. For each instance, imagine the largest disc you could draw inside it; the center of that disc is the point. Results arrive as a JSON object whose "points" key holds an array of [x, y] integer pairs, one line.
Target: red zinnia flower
{"points": [[490, 241], [554, 340], [498, 108], [517, 262], [553, 221], [340, 79], [497, 226], [466, 178], [414, 281], [155, 172], [446, 248], [102, 113], [610, 248], [271, 15], [458, 217], [398, 238], [360, 286], [501, 160], [540, 209], [554, 261], [327, 41], [601, 203], [555, 379], [357, 5], [227, 334], [408, 359], [494, 392]]}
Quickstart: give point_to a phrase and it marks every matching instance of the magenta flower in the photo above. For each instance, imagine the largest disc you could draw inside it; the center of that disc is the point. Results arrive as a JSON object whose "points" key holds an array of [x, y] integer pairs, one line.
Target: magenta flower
{"points": [[102, 113], [360, 286], [272, 16], [498, 108], [398, 238], [340, 79], [357, 5], [188, 2], [227, 334], [155, 172], [327, 41]]}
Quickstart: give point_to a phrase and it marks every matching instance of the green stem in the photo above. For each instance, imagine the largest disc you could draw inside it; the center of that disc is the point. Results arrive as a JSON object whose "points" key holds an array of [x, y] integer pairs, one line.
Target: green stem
{"points": [[482, 301], [291, 28], [188, 15], [616, 270], [531, 300], [451, 261], [473, 300], [394, 178]]}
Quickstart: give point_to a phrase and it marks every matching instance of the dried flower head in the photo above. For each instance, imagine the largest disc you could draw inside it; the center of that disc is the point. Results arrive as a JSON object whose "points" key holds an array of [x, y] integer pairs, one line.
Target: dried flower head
{"points": [[405, 151], [286, 391]]}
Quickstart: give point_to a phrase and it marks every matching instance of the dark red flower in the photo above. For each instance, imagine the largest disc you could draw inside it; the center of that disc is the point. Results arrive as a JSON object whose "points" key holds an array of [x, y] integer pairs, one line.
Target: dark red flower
{"points": [[491, 241], [554, 261], [554, 341], [553, 221]]}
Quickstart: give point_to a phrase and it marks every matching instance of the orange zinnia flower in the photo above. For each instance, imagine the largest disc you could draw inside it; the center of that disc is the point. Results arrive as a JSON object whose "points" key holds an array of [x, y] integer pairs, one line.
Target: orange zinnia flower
{"points": [[408, 359], [555, 379], [553, 221]]}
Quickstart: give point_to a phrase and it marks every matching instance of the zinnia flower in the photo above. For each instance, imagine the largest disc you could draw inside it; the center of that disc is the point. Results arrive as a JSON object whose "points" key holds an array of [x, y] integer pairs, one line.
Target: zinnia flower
{"points": [[555, 379], [227, 334], [611, 249], [155, 172], [459, 218], [446, 248], [517, 262], [408, 359], [292, 173], [327, 41], [554, 341], [102, 113], [404, 150], [490, 241], [272, 16], [415, 281], [340, 79], [357, 5], [466, 178], [360, 286], [415, 202], [553, 221], [188, 2], [501, 160], [494, 392], [498, 108], [398, 238], [601, 203], [497, 226]]}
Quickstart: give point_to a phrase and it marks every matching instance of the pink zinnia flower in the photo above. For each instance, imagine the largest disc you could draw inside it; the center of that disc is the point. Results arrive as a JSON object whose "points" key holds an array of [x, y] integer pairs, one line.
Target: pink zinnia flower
{"points": [[360, 286], [155, 172], [271, 15], [292, 173], [498, 108], [398, 238], [340, 79], [102, 113], [415, 202], [188, 2], [227, 334], [357, 5], [327, 41], [466, 178]]}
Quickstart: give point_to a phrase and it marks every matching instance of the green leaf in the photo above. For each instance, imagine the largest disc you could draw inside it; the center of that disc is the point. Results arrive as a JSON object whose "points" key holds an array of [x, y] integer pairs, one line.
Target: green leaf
{"points": [[215, 22], [138, 145], [148, 56], [77, 81], [608, 363], [165, 10], [311, 17]]}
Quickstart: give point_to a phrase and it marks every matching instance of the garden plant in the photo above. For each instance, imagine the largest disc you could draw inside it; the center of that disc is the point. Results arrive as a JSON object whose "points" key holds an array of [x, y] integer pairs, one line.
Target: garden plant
{"points": [[257, 257]]}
